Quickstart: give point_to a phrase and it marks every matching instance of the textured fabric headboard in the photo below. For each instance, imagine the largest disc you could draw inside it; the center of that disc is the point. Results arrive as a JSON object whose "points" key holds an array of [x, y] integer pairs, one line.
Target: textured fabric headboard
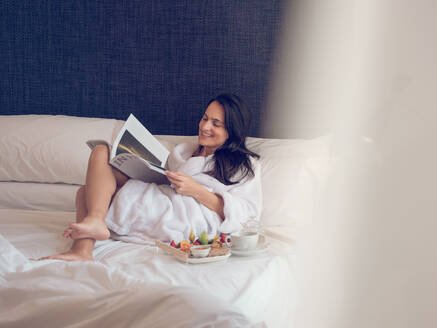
{"points": [[161, 60]]}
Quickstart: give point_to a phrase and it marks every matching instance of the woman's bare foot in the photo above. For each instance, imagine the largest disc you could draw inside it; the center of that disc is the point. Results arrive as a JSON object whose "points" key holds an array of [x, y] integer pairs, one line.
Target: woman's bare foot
{"points": [[89, 228], [69, 256]]}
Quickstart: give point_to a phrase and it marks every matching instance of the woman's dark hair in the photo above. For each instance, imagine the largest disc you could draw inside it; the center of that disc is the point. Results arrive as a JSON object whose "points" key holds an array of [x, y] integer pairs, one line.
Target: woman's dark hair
{"points": [[233, 155]]}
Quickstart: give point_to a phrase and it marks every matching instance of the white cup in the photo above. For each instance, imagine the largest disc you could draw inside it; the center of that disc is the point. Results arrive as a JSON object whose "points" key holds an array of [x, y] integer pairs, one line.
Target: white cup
{"points": [[244, 240]]}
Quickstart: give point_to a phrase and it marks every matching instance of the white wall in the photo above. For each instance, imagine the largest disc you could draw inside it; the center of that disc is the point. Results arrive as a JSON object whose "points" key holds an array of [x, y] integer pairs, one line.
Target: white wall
{"points": [[366, 72]]}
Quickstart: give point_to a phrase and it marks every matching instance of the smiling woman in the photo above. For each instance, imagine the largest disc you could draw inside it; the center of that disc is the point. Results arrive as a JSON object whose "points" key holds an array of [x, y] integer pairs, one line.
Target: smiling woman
{"points": [[212, 131], [228, 131], [215, 187]]}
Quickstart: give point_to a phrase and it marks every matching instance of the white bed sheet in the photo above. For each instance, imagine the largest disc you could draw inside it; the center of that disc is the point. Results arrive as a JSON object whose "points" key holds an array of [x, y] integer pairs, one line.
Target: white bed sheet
{"points": [[38, 196], [123, 275]]}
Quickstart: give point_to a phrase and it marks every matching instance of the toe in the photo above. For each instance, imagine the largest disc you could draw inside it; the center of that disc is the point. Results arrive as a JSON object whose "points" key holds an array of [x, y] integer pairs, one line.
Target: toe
{"points": [[67, 233]]}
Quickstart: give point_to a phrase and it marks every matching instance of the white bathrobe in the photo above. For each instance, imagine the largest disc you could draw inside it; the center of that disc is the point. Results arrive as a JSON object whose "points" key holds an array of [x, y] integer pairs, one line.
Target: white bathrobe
{"points": [[142, 212]]}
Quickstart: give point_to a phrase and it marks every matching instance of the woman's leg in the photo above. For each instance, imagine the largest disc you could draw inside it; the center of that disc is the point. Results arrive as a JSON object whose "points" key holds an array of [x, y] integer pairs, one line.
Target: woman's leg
{"points": [[102, 181], [82, 249], [92, 203]]}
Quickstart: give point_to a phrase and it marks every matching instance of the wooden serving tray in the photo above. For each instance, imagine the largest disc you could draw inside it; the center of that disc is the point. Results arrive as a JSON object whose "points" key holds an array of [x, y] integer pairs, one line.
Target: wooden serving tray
{"points": [[185, 257]]}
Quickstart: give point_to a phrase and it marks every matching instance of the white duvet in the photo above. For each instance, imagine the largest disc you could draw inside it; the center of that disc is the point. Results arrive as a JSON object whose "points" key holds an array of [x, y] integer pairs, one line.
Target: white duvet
{"points": [[132, 285], [60, 294]]}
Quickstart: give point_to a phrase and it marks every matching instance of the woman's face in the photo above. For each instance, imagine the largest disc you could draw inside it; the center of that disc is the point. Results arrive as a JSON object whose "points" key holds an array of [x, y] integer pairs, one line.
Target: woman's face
{"points": [[212, 131]]}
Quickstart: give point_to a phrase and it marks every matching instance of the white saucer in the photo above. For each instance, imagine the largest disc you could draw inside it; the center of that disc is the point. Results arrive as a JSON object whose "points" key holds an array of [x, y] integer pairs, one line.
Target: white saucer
{"points": [[260, 249]]}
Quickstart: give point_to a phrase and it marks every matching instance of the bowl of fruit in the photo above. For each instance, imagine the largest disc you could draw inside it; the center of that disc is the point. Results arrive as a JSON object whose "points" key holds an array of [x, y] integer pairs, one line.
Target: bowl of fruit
{"points": [[200, 250]]}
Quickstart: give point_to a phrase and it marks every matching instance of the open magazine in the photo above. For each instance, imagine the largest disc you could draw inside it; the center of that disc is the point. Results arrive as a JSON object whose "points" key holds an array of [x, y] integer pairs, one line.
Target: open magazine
{"points": [[137, 153]]}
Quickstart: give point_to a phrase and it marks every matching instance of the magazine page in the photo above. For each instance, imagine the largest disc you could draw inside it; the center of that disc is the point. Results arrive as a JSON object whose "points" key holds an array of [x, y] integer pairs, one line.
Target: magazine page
{"points": [[135, 139], [137, 168]]}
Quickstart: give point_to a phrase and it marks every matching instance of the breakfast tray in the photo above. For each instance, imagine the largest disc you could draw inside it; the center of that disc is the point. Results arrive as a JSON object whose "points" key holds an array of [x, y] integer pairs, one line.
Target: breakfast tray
{"points": [[187, 258]]}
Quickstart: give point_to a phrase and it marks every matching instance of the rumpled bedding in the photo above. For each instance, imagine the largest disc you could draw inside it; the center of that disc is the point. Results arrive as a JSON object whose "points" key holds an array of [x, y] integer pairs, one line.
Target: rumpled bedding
{"points": [[58, 294], [132, 285]]}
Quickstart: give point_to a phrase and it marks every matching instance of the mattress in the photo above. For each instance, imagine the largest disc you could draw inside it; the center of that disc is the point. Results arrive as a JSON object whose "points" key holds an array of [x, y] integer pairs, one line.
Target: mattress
{"points": [[241, 291]]}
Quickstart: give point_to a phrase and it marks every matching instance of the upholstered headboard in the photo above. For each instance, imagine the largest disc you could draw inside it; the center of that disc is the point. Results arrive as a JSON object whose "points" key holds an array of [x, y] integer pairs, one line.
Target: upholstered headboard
{"points": [[161, 60]]}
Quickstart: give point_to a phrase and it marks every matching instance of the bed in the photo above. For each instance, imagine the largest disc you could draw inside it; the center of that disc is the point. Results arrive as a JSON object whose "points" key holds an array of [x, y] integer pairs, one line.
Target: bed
{"points": [[43, 161]]}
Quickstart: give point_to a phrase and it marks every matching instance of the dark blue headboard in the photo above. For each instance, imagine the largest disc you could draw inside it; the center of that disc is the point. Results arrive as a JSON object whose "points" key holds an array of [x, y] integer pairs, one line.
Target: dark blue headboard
{"points": [[161, 60]]}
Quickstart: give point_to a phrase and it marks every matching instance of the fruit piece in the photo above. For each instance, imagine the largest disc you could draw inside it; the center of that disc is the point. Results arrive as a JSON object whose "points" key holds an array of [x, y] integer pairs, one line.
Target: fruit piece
{"points": [[203, 239], [185, 246], [223, 237], [197, 242], [216, 237], [173, 244], [192, 236]]}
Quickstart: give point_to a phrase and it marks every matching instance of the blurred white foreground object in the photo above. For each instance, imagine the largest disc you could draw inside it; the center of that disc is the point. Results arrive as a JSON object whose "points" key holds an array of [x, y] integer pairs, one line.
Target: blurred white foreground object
{"points": [[365, 72]]}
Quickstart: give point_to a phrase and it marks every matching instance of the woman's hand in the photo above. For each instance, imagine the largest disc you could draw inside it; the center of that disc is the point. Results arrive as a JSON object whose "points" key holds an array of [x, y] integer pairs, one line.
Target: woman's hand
{"points": [[184, 184]]}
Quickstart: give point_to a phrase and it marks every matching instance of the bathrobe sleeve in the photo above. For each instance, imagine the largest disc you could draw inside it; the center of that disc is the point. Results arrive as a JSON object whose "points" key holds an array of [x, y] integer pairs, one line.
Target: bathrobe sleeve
{"points": [[242, 201]]}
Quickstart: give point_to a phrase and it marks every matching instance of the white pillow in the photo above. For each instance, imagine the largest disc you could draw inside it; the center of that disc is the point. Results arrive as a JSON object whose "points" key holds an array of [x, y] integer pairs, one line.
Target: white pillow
{"points": [[293, 175], [48, 148], [38, 196]]}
